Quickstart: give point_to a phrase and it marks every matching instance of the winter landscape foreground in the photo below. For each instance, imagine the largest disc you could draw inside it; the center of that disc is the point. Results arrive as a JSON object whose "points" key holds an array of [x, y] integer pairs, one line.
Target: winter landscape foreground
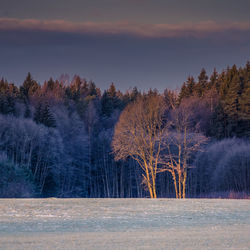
{"points": [[124, 224]]}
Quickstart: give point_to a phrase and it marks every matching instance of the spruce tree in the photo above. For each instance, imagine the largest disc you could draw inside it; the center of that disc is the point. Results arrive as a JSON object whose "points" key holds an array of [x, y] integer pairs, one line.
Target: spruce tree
{"points": [[38, 114], [214, 81], [219, 123], [28, 88], [47, 117], [231, 105], [184, 93], [244, 103], [190, 86], [92, 89], [106, 104], [202, 84], [134, 94]]}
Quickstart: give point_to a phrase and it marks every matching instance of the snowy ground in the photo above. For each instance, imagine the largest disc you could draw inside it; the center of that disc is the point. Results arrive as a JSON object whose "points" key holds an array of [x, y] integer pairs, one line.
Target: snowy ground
{"points": [[124, 224]]}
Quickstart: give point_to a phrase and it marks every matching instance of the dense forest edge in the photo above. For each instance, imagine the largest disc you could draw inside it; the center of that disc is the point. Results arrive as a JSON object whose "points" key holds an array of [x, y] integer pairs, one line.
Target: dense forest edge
{"points": [[65, 138]]}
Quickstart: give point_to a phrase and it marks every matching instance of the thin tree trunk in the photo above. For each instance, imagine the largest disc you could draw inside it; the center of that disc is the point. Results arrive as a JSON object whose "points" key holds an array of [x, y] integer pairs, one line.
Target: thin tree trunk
{"points": [[175, 184], [179, 182], [184, 184]]}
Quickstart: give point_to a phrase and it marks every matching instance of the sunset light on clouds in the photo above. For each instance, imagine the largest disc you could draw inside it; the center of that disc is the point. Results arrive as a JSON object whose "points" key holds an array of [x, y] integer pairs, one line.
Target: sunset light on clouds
{"points": [[201, 29]]}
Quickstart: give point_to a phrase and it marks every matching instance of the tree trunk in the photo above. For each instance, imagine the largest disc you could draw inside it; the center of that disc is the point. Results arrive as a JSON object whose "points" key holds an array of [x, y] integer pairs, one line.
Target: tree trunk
{"points": [[179, 183], [153, 183], [154, 188], [150, 189], [184, 184], [175, 184], [149, 182]]}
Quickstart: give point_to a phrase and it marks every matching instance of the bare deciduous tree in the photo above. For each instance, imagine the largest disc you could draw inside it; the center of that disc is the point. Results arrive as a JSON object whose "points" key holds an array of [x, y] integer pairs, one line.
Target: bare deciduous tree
{"points": [[138, 134], [180, 143]]}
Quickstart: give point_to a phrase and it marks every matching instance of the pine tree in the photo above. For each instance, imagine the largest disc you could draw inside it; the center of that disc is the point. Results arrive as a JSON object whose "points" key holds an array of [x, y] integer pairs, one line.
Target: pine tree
{"points": [[92, 89], [111, 101], [47, 117], [29, 87], [38, 114], [50, 84], [231, 104], [134, 94], [214, 81], [188, 89], [202, 84], [219, 123], [112, 91], [44, 116], [244, 102], [184, 93], [106, 104], [7, 104], [76, 88], [190, 84], [3, 86]]}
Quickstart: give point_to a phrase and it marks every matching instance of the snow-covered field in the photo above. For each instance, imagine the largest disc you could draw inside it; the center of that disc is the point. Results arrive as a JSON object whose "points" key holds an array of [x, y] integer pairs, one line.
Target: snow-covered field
{"points": [[124, 224]]}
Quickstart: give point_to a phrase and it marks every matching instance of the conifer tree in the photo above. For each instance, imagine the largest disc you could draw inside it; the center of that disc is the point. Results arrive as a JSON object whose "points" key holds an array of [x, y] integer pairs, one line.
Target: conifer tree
{"points": [[106, 104], [29, 87], [92, 89], [190, 86], [47, 117], [202, 83], [184, 93], [244, 102], [3, 86], [27, 112], [38, 114], [110, 100], [7, 104], [231, 104], [134, 94], [44, 116], [214, 81]]}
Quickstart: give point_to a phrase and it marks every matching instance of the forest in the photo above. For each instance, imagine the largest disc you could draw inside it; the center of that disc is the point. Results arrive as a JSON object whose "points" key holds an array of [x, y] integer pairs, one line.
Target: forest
{"points": [[67, 138]]}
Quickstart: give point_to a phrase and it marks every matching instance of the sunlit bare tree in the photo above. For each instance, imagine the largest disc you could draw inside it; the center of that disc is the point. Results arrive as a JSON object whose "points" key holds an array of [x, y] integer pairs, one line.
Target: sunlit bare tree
{"points": [[180, 142], [138, 134]]}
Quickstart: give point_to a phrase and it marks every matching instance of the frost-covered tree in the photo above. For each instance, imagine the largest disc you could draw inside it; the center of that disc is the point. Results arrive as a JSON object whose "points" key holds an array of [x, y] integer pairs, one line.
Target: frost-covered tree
{"points": [[73, 176], [223, 167], [33, 146], [15, 181]]}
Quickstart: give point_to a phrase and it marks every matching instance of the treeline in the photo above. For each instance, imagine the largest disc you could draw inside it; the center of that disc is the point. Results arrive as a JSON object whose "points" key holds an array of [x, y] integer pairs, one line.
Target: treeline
{"points": [[228, 97], [56, 138]]}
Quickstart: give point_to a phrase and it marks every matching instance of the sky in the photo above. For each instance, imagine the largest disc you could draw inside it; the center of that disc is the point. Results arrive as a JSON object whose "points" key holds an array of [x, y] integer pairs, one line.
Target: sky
{"points": [[143, 43]]}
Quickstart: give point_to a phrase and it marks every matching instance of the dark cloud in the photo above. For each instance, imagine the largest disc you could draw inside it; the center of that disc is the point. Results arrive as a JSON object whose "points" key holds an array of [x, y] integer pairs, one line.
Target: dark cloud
{"points": [[142, 11]]}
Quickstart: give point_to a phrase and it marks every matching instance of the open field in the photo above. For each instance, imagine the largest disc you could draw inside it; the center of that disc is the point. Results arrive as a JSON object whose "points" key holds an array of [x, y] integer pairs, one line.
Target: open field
{"points": [[124, 224]]}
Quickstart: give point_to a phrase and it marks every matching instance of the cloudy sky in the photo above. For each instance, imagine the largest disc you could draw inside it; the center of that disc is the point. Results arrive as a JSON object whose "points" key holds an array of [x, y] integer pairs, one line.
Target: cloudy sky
{"points": [[143, 43]]}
